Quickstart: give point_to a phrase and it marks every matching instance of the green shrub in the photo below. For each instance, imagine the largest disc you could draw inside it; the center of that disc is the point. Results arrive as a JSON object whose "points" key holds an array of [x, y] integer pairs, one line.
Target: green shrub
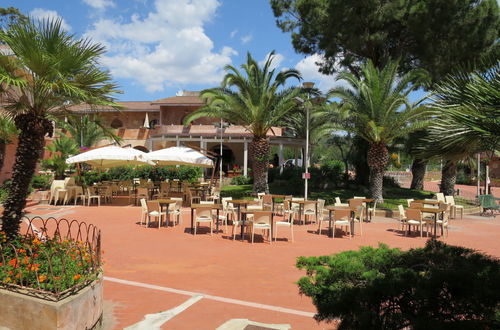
{"points": [[391, 182], [332, 170], [241, 180], [436, 287], [124, 173], [41, 181]]}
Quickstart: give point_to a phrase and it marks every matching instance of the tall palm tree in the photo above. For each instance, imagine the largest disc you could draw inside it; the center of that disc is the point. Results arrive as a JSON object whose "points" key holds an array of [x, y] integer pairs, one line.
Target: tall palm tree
{"points": [[467, 118], [256, 99], [381, 112], [87, 130], [50, 70], [7, 131]]}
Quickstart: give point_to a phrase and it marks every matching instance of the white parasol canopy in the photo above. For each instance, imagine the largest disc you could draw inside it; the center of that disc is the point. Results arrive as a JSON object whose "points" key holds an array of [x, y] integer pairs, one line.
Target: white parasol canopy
{"points": [[179, 156], [111, 156]]}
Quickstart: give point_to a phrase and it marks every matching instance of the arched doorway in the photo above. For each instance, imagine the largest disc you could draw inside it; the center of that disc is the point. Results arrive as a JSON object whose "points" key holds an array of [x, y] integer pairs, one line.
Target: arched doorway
{"points": [[227, 157], [141, 148]]}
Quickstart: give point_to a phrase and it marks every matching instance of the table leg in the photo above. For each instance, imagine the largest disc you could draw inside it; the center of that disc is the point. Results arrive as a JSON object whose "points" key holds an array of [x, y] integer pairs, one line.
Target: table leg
{"points": [[353, 215], [217, 222], [330, 231], [241, 220], [192, 218], [300, 214], [166, 215]]}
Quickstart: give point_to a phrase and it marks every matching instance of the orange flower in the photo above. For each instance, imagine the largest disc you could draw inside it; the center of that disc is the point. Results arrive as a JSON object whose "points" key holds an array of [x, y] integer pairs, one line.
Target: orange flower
{"points": [[7, 280], [13, 262], [34, 268], [57, 277], [77, 277], [42, 278], [26, 260], [22, 251]]}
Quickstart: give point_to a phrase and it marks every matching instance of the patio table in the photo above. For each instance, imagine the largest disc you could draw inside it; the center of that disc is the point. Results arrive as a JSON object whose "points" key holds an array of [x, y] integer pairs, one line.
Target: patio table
{"points": [[165, 202], [238, 203], [333, 209], [301, 205], [274, 197], [216, 207], [428, 202], [436, 212], [365, 200]]}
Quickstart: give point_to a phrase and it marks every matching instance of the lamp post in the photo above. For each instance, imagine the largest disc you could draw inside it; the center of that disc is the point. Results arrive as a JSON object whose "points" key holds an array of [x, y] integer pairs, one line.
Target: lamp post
{"points": [[222, 125], [305, 160]]}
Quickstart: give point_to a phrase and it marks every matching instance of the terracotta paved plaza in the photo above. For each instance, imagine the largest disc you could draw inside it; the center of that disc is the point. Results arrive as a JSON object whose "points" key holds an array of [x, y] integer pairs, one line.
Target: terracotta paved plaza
{"points": [[143, 267]]}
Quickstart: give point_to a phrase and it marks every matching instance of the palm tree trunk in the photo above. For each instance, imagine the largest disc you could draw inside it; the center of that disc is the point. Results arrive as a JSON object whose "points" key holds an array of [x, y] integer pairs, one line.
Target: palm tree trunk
{"points": [[360, 161], [259, 153], [448, 177], [2, 154], [418, 174], [30, 146], [378, 156]]}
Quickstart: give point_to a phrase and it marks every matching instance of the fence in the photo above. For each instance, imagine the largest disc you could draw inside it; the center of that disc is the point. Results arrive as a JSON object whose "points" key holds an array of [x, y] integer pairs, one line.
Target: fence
{"points": [[53, 259]]}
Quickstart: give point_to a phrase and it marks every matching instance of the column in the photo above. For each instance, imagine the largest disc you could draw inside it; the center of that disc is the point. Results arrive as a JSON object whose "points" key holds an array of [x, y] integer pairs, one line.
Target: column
{"points": [[178, 143], [245, 157]]}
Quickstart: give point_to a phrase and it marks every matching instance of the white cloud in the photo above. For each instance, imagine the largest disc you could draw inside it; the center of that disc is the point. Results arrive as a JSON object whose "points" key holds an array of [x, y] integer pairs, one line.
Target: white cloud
{"points": [[277, 60], [99, 4], [41, 14], [246, 39], [234, 32], [167, 47], [309, 70]]}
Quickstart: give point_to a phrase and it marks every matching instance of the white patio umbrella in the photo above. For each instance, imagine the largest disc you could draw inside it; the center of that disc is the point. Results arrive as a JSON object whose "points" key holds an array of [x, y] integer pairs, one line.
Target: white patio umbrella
{"points": [[179, 156], [111, 156]]}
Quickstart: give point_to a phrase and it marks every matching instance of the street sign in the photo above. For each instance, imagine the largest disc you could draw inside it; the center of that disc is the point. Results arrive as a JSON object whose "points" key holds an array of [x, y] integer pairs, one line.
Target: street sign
{"points": [[306, 176]]}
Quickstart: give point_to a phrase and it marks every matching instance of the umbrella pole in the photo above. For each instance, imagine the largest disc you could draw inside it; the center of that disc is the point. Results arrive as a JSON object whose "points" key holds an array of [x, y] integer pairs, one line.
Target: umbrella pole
{"points": [[212, 178]]}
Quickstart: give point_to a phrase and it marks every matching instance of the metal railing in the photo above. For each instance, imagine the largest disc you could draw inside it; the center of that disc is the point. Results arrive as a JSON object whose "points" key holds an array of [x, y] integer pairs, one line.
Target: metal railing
{"points": [[53, 259]]}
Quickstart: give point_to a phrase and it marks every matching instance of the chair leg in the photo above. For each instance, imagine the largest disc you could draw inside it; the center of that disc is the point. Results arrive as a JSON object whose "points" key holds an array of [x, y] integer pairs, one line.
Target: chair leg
{"points": [[319, 227], [291, 229], [252, 233], [211, 223], [275, 233], [195, 225]]}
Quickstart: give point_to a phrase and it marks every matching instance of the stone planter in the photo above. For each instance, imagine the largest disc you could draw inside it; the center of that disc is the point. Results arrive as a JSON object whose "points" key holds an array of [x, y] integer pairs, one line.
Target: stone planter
{"points": [[82, 310]]}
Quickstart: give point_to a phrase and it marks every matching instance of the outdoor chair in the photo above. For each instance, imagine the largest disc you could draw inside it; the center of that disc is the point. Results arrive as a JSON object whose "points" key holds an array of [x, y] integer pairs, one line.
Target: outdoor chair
{"points": [[451, 200], [259, 195], [440, 197], [342, 218], [155, 212], [267, 202], [287, 221], [262, 220], [203, 215], [415, 219], [207, 202], [402, 217], [79, 194], [443, 223], [93, 195], [142, 192], [224, 215], [371, 210], [488, 203], [339, 203], [174, 210], [59, 195], [358, 217], [144, 211], [310, 211], [409, 201]]}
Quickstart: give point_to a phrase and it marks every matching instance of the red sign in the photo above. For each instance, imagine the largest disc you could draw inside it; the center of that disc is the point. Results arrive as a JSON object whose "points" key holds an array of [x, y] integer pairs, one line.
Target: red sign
{"points": [[306, 176]]}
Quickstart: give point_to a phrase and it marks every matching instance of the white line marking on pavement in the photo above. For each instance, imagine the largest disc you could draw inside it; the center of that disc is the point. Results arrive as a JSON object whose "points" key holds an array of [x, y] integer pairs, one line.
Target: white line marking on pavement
{"points": [[210, 297], [155, 321]]}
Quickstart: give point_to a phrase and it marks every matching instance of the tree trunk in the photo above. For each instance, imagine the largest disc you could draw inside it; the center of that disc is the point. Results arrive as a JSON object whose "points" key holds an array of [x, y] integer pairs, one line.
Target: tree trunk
{"points": [[259, 153], [378, 157], [360, 161], [449, 177], [30, 146], [418, 174], [2, 154]]}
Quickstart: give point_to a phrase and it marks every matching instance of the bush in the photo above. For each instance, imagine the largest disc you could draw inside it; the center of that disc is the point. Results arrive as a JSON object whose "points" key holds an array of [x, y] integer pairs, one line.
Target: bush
{"points": [[241, 180], [41, 181], [184, 173], [332, 170], [436, 287]]}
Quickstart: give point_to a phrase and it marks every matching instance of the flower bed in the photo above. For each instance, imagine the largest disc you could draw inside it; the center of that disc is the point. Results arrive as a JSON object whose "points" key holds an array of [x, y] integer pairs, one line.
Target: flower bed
{"points": [[47, 263]]}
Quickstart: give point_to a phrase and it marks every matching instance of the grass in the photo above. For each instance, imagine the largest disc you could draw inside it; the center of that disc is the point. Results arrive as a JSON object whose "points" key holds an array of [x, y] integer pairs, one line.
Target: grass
{"points": [[392, 196]]}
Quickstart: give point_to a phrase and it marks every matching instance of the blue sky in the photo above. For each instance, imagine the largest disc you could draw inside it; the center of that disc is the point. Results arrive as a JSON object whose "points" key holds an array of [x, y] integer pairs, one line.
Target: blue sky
{"points": [[158, 47]]}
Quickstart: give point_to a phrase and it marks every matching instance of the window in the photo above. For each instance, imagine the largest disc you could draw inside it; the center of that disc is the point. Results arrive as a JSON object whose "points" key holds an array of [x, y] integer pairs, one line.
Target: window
{"points": [[116, 123]]}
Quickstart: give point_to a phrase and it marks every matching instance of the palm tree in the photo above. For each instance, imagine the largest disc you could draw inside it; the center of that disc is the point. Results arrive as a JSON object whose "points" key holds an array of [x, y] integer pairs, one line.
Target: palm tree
{"points": [[61, 149], [50, 70], [380, 110], [467, 118], [7, 131], [256, 99], [87, 130]]}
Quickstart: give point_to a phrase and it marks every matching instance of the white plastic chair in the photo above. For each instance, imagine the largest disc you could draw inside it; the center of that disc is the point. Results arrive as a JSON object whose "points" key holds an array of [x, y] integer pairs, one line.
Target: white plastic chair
{"points": [[262, 220], [204, 215]]}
